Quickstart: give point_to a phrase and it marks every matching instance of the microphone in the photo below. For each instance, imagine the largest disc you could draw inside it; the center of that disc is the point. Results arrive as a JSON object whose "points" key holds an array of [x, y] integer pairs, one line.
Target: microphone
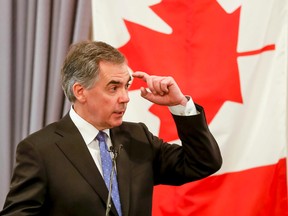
{"points": [[116, 153]]}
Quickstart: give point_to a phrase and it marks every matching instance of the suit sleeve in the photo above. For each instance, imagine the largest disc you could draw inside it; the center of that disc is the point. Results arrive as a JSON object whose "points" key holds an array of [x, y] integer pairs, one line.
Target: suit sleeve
{"points": [[27, 190], [198, 157]]}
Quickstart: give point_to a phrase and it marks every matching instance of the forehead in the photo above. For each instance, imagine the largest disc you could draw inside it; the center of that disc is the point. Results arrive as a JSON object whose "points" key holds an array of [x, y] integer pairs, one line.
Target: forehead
{"points": [[109, 71]]}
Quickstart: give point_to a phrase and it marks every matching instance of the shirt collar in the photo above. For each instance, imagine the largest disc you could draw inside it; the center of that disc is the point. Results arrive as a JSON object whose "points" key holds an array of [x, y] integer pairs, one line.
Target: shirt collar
{"points": [[87, 130]]}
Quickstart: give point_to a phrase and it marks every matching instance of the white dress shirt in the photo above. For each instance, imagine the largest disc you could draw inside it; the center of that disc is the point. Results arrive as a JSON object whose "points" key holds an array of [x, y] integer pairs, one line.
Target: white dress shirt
{"points": [[89, 133]]}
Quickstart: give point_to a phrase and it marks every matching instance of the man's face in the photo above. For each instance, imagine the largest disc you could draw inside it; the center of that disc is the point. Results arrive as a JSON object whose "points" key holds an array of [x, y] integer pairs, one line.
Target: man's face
{"points": [[105, 103]]}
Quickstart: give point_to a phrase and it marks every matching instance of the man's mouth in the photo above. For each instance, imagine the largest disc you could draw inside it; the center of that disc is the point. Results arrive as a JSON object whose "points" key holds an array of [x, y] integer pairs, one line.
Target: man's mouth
{"points": [[120, 112]]}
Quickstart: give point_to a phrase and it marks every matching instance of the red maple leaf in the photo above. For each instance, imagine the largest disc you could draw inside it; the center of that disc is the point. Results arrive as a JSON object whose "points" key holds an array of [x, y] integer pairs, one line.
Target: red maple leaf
{"points": [[200, 54]]}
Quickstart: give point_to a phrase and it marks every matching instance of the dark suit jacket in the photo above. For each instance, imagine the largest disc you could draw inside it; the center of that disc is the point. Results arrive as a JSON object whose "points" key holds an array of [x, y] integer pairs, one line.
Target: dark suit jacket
{"points": [[56, 175]]}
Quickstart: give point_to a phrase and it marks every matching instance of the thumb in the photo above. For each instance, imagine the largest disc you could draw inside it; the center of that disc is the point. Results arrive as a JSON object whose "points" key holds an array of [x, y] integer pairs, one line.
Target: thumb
{"points": [[144, 92], [147, 95]]}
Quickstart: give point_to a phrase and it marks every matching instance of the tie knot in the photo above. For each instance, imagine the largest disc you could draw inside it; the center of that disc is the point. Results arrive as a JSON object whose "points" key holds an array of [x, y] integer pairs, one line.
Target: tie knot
{"points": [[101, 136]]}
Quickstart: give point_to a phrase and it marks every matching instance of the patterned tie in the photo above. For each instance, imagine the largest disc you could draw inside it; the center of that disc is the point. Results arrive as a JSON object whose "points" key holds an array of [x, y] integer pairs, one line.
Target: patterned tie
{"points": [[107, 168]]}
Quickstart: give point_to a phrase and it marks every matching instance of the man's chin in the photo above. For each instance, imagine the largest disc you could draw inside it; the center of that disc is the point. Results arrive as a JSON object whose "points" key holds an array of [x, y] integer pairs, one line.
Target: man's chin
{"points": [[117, 123]]}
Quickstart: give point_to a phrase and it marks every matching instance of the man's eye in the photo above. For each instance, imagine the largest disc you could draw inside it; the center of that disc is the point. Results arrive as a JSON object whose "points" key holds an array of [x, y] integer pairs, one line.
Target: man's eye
{"points": [[128, 85], [113, 88]]}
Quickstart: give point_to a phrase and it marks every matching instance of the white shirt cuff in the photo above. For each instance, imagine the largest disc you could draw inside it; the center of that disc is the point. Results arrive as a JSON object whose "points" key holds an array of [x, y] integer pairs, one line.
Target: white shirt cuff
{"points": [[188, 110]]}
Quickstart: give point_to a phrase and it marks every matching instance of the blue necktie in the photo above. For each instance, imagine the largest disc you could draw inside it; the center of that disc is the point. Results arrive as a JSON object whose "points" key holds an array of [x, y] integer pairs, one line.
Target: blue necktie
{"points": [[107, 169]]}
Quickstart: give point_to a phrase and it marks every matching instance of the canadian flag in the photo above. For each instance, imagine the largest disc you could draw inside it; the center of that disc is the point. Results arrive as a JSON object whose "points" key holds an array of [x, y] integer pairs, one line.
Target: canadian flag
{"points": [[231, 57]]}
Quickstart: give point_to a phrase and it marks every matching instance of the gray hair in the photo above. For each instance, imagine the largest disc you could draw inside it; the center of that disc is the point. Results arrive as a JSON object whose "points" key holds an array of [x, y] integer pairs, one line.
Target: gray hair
{"points": [[82, 64]]}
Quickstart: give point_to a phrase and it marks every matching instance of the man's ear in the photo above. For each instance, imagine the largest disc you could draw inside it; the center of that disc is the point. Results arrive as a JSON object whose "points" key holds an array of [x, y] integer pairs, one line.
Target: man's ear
{"points": [[79, 90]]}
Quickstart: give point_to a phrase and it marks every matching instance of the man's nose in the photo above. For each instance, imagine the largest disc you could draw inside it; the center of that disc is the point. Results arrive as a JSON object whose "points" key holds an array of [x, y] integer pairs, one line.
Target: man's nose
{"points": [[124, 97]]}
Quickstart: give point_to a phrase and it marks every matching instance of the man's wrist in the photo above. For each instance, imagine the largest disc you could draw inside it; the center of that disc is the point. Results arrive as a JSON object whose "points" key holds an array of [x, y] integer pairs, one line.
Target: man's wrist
{"points": [[184, 110], [184, 100]]}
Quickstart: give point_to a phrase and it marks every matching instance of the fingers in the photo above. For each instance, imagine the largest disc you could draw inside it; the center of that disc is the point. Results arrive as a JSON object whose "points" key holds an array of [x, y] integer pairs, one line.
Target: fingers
{"points": [[159, 85], [160, 89], [140, 75], [156, 84]]}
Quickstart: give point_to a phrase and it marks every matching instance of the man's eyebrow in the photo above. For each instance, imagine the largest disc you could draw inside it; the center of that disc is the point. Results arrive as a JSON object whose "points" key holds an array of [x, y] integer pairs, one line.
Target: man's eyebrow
{"points": [[115, 82]]}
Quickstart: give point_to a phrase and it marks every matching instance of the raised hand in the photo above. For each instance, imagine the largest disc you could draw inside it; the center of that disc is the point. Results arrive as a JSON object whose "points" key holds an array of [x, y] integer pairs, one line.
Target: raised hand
{"points": [[161, 90]]}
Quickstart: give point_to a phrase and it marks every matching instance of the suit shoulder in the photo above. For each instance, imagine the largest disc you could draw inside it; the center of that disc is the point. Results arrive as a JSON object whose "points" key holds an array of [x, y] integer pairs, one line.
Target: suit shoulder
{"points": [[133, 126], [44, 135]]}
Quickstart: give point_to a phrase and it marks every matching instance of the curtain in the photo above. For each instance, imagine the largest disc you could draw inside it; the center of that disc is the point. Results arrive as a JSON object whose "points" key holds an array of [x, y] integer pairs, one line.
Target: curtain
{"points": [[35, 36]]}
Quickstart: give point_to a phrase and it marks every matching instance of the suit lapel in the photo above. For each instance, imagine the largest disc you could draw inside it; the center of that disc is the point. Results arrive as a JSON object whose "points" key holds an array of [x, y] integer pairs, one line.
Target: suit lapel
{"points": [[122, 137], [74, 148]]}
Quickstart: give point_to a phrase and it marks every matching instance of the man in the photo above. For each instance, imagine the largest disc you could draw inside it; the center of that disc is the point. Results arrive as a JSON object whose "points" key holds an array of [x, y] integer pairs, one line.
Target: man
{"points": [[59, 168]]}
